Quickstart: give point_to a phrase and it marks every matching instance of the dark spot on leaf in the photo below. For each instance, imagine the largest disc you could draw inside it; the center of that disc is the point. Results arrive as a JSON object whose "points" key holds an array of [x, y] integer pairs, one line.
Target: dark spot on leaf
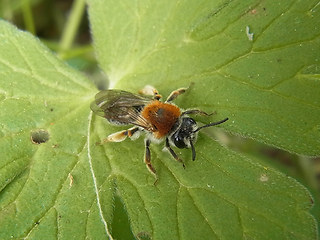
{"points": [[39, 136], [51, 109], [311, 200]]}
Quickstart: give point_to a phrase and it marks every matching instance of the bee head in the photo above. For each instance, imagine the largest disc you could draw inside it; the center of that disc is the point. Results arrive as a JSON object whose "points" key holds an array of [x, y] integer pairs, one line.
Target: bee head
{"points": [[185, 133]]}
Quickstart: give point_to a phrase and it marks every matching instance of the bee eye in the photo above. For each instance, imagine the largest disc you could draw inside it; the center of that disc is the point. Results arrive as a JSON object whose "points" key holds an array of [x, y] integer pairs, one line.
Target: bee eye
{"points": [[178, 140], [189, 122], [184, 134]]}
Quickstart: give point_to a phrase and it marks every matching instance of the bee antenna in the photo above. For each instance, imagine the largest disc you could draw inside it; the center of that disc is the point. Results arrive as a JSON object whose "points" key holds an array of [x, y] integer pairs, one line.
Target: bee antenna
{"points": [[193, 150], [211, 124]]}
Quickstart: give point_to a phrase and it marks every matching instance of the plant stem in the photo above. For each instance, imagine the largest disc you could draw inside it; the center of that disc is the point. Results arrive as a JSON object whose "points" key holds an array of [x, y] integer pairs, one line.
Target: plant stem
{"points": [[72, 25], [28, 17]]}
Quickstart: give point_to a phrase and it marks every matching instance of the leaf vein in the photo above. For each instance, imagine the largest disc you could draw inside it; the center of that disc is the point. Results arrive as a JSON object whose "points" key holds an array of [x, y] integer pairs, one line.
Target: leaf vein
{"points": [[202, 214], [94, 178]]}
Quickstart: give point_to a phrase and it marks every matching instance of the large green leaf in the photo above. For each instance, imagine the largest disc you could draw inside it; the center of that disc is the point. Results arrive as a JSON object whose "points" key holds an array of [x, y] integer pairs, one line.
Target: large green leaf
{"points": [[67, 187], [38, 91], [268, 87]]}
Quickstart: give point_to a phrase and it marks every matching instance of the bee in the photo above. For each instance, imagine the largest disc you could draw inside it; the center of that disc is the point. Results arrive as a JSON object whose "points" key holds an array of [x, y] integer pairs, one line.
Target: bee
{"points": [[158, 120]]}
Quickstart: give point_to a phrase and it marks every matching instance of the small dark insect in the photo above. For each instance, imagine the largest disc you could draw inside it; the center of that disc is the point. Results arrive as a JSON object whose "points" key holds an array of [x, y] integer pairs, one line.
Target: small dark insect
{"points": [[159, 120]]}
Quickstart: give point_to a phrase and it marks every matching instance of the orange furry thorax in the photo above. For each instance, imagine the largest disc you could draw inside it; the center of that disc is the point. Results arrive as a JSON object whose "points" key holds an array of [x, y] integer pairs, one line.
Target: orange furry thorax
{"points": [[162, 116]]}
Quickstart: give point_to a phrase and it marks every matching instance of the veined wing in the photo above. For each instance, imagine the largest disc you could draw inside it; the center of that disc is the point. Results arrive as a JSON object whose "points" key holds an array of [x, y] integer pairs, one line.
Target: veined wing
{"points": [[121, 107]]}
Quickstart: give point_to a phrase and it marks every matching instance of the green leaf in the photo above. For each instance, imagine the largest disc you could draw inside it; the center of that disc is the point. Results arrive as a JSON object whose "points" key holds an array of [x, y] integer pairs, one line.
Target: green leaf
{"points": [[268, 87], [39, 93], [67, 186]]}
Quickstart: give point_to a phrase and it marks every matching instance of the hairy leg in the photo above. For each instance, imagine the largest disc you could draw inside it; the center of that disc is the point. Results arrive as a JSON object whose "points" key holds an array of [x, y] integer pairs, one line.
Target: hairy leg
{"points": [[151, 91], [197, 111], [174, 94], [122, 135], [173, 154]]}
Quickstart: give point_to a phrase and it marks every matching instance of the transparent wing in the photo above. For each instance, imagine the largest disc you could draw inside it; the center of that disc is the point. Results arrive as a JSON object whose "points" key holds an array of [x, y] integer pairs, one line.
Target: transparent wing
{"points": [[121, 107]]}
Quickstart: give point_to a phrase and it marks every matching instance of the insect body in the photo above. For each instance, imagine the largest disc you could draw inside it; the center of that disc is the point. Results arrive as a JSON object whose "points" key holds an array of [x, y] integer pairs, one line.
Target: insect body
{"points": [[159, 120]]}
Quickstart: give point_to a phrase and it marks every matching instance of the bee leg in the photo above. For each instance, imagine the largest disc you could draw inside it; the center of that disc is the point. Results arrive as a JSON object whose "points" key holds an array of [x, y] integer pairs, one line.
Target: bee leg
{"points": [[197, 111], [173, 154], [175, 94], [151, 91], [121, 135], [147, 160], [133, 133]]}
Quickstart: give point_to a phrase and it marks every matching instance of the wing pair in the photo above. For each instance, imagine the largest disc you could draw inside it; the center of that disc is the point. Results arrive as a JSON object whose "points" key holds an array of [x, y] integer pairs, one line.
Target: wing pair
{"points": [[121, 107]]}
